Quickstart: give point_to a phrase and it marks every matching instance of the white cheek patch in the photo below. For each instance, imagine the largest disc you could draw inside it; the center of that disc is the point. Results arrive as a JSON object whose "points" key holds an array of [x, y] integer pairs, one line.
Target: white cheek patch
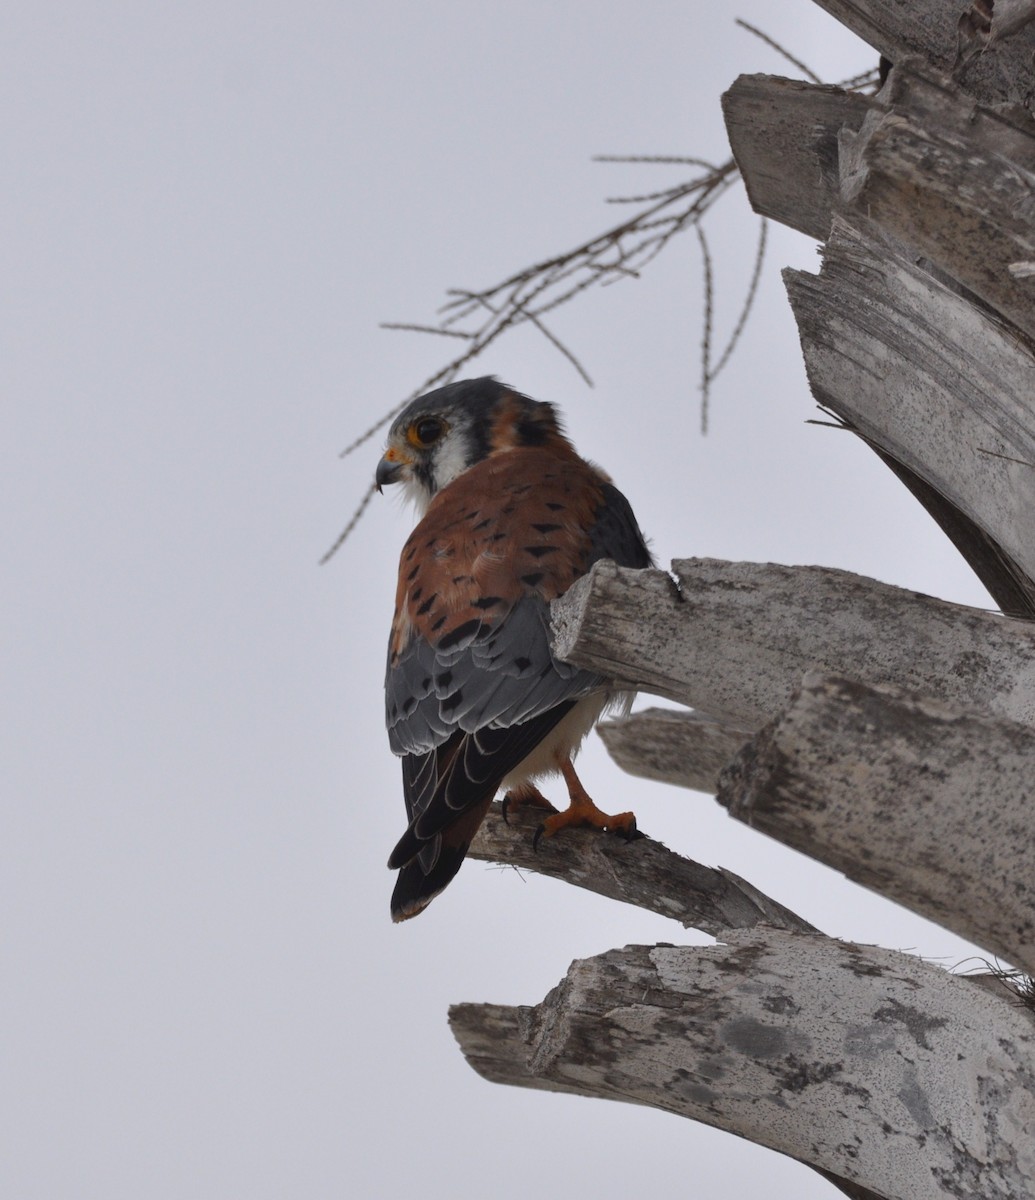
{"points": [[452, 458], [415, 493]]}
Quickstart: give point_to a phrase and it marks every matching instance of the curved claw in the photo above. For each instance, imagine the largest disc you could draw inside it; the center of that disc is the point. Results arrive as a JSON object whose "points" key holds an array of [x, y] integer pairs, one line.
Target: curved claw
{"points": [[539, 831], [631, 833]]}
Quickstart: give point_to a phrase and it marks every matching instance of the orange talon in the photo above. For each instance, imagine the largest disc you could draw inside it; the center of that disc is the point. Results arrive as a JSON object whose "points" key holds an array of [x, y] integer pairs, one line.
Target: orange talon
{"points": [[525, 796], [583, 812]]}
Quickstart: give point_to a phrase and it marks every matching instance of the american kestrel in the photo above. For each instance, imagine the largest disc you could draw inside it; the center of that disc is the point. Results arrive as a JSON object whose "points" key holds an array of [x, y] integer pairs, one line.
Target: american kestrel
{"points": [[475, 701]]}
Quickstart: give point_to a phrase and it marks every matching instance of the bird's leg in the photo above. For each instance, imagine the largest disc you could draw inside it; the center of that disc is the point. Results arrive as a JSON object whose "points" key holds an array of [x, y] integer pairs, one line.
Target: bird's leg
{"points": [[582, 811], [527, 795]]}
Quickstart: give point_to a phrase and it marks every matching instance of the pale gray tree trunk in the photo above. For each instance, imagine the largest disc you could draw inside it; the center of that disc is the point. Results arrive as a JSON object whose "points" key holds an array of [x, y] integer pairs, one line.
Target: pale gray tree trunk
{"points": [[887, 734]]}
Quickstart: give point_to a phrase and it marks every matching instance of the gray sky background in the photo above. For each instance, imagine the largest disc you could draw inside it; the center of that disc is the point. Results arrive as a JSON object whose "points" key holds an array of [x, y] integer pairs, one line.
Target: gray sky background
{"points": [[209, 208]]}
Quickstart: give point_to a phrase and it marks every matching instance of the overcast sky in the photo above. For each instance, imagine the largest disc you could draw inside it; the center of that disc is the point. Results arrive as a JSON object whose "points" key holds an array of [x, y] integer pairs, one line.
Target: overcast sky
{"points": [[209, 207]]}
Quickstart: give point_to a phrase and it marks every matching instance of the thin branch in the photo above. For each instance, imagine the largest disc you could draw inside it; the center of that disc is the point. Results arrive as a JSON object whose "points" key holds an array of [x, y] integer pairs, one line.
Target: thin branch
{"points": [[620, 252], [706, 335], [642, 872], [424, 329], [655, 158], [864, 79], [353, 522], [552, 338], [749, 301], [796, 62]]}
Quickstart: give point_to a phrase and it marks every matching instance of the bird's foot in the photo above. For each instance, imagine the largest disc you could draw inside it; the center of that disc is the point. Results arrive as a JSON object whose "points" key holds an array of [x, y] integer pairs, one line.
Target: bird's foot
{"points": [[525, 796], [583, 813]]}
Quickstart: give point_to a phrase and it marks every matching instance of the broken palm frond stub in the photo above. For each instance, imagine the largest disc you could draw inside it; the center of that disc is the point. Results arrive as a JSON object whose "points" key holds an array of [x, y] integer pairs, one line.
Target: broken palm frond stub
{"points": [[479, 318]]}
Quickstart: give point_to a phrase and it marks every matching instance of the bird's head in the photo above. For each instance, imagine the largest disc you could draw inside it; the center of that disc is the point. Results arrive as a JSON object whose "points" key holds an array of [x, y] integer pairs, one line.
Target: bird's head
{"points": [[439, 435]]}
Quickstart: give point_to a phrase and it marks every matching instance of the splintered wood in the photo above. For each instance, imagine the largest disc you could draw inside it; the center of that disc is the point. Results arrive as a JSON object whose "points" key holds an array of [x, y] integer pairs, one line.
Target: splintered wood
{"points": [[887, 734]]}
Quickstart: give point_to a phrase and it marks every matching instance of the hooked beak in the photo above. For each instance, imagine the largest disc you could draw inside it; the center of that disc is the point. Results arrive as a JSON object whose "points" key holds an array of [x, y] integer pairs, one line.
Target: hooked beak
{"points": [[389, 469]]}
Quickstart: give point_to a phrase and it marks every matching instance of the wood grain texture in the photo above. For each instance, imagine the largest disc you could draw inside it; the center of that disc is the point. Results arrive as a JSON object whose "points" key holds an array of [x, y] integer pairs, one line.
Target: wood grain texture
{"points": [[930, 29], [641, 872], [924, 803], [950, 182], [784, 136], [927, 378], [869, 1064], [671, 746], [733, 640]]}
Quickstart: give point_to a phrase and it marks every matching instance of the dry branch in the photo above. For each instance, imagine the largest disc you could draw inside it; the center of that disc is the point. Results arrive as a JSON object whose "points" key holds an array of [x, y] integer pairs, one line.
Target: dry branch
{"points": [[931, 30], [928, 805], [734, 639], [937, 204], [952, 183], [641, 872], [783, 134], [685, 748], [866, 1063], [934, 384]]}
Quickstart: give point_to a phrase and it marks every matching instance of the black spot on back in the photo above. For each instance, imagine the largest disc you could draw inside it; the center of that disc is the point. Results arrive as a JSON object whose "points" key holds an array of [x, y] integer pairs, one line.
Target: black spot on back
{"points": [[466, 630]]}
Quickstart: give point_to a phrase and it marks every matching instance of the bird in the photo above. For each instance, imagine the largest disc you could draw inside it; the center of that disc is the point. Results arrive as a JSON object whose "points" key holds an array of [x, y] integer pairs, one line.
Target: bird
{"points": [[509, 517]]}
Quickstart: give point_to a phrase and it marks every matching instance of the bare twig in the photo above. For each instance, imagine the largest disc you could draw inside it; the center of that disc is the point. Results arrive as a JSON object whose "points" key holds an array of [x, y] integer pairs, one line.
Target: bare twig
{"points": [[796, 62], [748, 304], [706, 334], [406, 328], [479, 318], [353, 522]]}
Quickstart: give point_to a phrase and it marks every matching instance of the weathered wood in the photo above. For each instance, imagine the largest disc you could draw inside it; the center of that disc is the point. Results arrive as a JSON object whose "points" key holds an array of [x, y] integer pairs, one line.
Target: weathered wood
{"points": [[869, 1064], [886, 1074], [734, 639], [950, 183], [931, 29], [1010, 16], [641, 872], [784, 136], [928, 805], [685, 748], [931, 176], [926, 377]]}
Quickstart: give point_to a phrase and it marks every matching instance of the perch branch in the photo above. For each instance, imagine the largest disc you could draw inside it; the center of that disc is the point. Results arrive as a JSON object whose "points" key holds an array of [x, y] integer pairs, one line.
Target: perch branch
{"points": [[641, 872]]}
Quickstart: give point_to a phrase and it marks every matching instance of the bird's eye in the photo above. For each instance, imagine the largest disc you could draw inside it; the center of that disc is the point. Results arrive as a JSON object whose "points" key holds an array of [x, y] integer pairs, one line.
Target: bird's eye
{"points": [[426, 431]]}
